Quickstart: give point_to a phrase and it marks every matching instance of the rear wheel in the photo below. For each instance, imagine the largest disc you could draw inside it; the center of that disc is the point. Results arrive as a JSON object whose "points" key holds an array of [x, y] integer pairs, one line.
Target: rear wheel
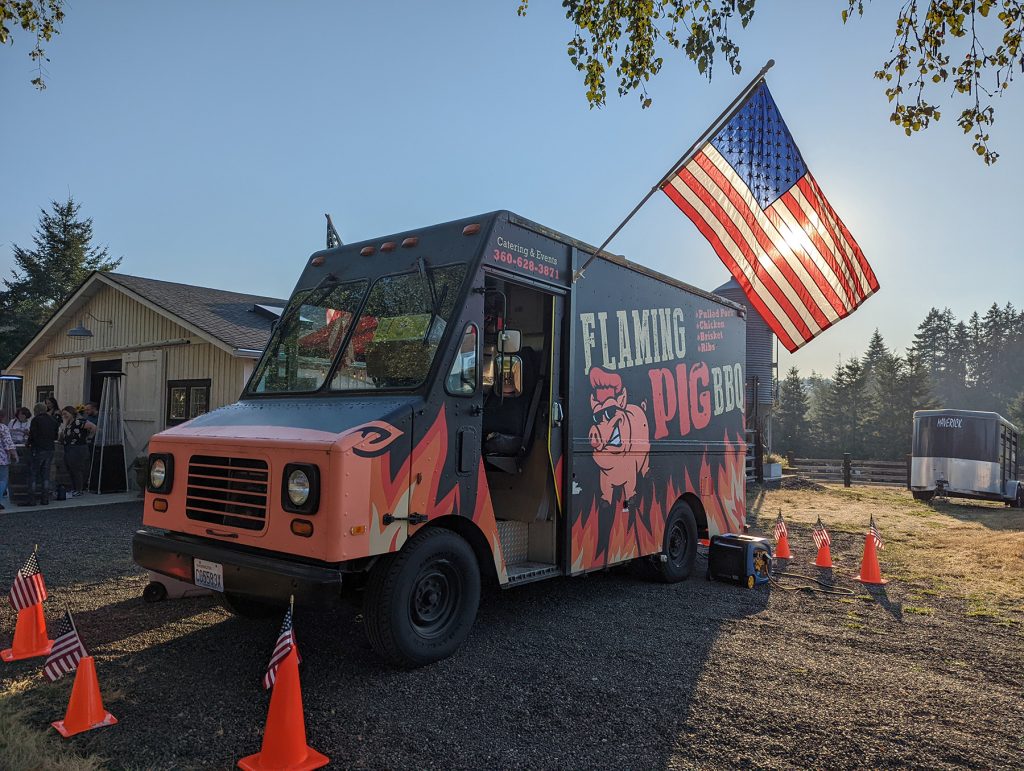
{"points": [[1018, 503], [247, 607], [680, 547], [421, 603], [923, 495]]}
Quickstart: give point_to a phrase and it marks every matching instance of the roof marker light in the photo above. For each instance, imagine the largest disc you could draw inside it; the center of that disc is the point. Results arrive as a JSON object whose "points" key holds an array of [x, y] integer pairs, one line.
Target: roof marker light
{"points": [[366, 251], [317, 261], [410, 241], [387, 246], [471, 230]]}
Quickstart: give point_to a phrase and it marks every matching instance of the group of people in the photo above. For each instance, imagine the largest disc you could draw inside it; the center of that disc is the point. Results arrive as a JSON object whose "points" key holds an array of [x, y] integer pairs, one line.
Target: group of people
{"points": [[35, 435]]}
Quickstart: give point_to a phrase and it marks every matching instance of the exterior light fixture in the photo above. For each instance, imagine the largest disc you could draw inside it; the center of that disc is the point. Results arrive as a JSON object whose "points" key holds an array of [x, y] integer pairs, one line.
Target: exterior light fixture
{"points": [[83, 331]]}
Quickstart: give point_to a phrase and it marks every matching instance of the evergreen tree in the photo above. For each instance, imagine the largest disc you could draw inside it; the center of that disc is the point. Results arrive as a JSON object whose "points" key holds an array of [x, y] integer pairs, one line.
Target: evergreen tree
{"points": [[790, 427], [845, 411], [62, 258]]}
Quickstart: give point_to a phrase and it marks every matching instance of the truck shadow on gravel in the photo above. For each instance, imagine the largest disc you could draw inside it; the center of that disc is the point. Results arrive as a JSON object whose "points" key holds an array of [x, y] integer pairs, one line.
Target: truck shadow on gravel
{"points": [[588, 672]]}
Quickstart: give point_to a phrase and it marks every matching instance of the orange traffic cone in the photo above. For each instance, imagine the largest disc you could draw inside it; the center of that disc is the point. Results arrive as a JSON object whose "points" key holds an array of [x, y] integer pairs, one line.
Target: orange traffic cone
{"points": [[782, 551], [284, 737], [824, 558], [29, 635], [85, 709], [870, 573]]}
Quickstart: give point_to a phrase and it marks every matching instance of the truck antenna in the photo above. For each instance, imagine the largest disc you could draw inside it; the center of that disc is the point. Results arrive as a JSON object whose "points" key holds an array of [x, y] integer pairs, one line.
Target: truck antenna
{"points": [[333, 239]]}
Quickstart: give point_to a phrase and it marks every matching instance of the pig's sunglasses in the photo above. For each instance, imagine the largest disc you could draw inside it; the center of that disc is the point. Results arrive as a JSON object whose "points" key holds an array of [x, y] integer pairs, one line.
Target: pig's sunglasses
{"points": [[603, 416]]}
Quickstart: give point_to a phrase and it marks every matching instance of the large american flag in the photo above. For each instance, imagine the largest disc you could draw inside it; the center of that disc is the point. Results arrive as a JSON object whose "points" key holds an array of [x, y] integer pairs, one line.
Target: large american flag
{"points": [[820, 534], [873, 532], [67, 649], [283, 646], [748, 190], [780, 528], [29, 588]]}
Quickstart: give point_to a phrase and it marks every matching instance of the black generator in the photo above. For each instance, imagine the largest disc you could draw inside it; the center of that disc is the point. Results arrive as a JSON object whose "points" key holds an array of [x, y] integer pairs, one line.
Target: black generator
{"points": [[742, 559]]}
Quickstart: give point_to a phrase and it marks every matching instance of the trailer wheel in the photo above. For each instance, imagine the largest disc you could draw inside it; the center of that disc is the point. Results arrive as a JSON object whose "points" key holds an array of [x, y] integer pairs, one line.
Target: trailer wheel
{"points": [[680, 545], [247, 607], [923, 495], [421, 603], [154, 592], [1018, 502]]}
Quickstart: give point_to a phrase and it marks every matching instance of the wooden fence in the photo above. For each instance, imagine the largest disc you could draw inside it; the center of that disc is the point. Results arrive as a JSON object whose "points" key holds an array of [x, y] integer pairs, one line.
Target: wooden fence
{"points": [[852, 471]]}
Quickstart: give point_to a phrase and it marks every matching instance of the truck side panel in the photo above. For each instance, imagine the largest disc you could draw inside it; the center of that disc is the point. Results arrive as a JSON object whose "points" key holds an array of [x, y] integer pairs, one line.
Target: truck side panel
{"points": [[657, 403]]}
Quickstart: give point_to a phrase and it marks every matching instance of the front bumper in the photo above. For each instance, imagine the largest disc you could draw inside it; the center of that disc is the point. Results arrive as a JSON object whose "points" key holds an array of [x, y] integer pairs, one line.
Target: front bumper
{"points": [[246, 573]]}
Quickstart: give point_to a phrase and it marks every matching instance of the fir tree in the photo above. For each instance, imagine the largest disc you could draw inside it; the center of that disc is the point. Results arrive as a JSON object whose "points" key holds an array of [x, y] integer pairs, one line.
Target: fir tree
{"points": [[791, 428], [62, 258]]}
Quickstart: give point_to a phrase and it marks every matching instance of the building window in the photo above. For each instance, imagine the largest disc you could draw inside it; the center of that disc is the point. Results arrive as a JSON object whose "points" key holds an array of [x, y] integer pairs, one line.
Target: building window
{"points": [[44, 392], [186, 399]]}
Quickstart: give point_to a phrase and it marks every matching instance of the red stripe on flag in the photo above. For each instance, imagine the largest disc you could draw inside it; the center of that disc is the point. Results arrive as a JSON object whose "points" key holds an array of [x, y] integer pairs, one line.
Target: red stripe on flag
{"points": [[811, 266], [764, 239], [723, 253], [766, 279], [836, 264], [865, 277]]}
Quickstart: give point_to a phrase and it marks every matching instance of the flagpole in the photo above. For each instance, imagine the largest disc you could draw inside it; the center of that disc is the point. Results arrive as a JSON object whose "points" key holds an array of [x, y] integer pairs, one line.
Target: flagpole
{"points": [[722, 119]]}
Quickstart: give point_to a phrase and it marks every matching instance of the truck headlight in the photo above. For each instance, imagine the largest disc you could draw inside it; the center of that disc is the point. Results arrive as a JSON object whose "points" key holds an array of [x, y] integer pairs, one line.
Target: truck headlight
{"points": [[298, 487], [161, 473], [301, 489]]}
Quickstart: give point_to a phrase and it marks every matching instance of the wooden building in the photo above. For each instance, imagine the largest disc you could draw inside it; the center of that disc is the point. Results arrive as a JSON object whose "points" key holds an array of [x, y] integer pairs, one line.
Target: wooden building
{"points": [[183, 349]]}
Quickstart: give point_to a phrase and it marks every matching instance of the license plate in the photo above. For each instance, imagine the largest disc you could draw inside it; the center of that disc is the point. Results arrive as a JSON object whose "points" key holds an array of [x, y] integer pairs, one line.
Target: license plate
{"points": [[209, 575]]}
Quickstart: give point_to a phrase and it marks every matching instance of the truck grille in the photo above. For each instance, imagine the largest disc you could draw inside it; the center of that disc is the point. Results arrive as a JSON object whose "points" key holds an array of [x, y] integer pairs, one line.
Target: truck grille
{"points": [[227, 491]]}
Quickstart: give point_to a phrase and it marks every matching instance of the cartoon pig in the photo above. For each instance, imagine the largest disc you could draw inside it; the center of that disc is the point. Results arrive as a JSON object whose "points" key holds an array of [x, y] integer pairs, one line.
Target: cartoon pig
{"points": [[620, 436]]}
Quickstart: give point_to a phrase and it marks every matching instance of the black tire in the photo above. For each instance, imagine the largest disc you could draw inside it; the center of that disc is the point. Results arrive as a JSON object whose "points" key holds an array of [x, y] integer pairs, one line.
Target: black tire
{"points": [[247, 607], [421, 603], [1019, 501], [680, 545], [154, 592], [923, 495]]}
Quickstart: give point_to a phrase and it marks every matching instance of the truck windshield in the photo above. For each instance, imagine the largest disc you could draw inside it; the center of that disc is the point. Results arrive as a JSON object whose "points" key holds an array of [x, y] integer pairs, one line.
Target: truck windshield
{"points": [[307, 339], [394, 340]]}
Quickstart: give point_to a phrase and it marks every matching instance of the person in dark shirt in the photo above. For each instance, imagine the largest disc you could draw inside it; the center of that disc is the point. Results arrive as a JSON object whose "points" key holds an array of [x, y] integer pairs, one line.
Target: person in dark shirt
{"points": [[42, 435], [75, 434]]}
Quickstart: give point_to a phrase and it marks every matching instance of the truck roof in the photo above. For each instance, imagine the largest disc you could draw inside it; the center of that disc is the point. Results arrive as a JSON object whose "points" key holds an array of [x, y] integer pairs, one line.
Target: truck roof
{"points": [[536, 227]]}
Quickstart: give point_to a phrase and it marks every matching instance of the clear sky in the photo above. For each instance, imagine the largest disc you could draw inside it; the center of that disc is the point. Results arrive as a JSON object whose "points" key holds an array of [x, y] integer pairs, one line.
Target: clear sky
{"points": [[206, 140]]}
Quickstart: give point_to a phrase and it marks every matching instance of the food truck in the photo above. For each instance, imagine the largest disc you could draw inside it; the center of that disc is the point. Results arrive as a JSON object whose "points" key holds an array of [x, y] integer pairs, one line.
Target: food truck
{"points": [[965, 454], [452, 405]]}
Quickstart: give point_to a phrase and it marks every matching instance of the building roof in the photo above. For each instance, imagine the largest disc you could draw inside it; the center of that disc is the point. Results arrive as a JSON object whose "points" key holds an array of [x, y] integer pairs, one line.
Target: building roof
{"points": [[239, 323], [225, 315]]}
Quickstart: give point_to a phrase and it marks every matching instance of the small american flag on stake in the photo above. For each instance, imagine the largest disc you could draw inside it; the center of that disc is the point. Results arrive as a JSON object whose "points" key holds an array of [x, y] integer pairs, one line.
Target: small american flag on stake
{"points": [[284, 645], [780, 528], [873, 532], [67, 649], [29, 588], [820, 535]]}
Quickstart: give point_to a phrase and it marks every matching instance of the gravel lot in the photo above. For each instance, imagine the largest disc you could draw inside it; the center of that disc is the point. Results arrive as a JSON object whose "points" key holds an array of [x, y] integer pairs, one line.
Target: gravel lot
{"points": [[606, 671]]}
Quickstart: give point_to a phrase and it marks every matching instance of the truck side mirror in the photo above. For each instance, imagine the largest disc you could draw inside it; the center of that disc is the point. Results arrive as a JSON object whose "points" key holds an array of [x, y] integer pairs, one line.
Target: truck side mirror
{"points": [[509, 341]]}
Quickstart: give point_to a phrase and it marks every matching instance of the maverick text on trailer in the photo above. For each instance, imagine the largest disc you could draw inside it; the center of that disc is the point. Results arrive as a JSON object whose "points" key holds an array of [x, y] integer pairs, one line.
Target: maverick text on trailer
{"points": [[446, 404]]}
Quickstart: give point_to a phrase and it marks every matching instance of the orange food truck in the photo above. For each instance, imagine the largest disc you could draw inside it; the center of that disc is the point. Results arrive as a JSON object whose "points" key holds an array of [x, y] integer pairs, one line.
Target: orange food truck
{"points": [[445, 406]]}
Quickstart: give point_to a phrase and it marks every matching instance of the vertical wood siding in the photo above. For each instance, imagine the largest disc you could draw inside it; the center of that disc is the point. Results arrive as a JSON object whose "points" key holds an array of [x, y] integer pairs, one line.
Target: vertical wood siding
{"points": [[132, 324]]}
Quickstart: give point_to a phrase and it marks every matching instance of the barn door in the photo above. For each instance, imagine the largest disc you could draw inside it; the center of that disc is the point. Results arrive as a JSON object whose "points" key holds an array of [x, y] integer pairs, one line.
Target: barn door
{"points": [[143, 398], [70, 383]]}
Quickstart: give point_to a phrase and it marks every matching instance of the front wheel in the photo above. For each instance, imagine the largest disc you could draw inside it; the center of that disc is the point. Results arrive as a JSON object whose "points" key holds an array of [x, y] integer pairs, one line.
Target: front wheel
{"points": [[680, 548], [421, 603]]}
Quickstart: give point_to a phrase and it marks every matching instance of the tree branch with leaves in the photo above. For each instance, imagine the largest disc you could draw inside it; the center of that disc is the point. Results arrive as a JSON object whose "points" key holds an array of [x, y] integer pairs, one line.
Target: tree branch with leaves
{"points": [[972, 45], [41, 18]]}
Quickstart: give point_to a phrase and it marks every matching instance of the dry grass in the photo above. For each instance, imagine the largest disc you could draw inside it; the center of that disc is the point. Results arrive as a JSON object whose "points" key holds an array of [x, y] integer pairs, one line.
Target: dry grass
{"points": [[23, 747], [970, 550]]}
